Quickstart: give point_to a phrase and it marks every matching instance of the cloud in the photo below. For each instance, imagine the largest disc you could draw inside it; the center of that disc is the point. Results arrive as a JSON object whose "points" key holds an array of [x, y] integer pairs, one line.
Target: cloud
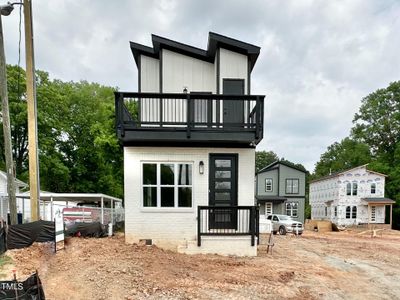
{"points": [[318, 58]]}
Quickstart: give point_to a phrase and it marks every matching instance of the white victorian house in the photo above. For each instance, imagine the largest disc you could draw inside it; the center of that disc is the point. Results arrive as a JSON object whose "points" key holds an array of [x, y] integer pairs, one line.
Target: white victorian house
{"points": [[189, 138], [351, 197]]}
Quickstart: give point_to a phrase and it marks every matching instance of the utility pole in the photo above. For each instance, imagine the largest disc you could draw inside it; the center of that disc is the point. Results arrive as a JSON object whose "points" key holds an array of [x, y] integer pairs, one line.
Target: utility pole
{"points": [[7, 131], [34, 183]]}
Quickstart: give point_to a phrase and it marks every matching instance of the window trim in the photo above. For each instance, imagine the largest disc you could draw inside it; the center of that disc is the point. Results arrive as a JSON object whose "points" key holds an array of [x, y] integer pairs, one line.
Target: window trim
{"points": [[348, 210], [272, 208], [289, 207], [349, 189], [158, 185], [354, 210], [373, 188], [272, 184], [298, 186]]}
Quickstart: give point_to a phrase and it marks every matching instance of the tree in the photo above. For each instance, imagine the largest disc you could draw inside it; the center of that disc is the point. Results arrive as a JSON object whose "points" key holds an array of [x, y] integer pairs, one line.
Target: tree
{"points": [[78, 147], [347, 154], [378, 124], [378, 121], [264, 158]]}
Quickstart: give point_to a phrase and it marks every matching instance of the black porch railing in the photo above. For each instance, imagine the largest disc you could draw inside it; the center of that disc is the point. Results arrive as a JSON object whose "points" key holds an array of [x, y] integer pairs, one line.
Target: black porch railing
{"points": [[228, 221], [189, 112]]}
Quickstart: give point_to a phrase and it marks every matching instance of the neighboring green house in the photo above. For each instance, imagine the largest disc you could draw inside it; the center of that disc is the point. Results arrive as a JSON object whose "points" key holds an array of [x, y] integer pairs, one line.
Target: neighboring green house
{"points": [[280, 189]]}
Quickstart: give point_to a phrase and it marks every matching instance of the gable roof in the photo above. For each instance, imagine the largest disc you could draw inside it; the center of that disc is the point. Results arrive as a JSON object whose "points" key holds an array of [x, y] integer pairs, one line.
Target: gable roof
{"points": [[17, 181], [215, 41], [336, 174], [274, 165]]}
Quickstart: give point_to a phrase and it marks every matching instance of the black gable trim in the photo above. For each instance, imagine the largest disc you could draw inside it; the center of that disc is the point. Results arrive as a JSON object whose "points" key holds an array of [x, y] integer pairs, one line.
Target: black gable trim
{"points": [[138, 49], [215, 41]]}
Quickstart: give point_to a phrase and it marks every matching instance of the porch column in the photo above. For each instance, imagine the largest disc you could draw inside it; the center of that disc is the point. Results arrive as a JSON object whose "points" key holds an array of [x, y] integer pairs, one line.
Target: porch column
{"points": [[391, 212], [51, 209], [369, 214], [23, 209], [112, 211], [44, 210], [102, 210]]}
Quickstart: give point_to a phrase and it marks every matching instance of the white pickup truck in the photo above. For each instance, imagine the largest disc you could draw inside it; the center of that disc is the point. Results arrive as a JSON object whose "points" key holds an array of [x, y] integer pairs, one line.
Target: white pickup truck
{"points": [[284, 224]]}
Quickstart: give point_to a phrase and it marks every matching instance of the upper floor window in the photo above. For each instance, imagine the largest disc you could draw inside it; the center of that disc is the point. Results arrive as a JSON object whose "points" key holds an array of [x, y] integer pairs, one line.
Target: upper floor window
{"points": [[167, 185], [352, 188], [268, 184], [373, 188], [355, 188], [348, 189], [292, 186]]}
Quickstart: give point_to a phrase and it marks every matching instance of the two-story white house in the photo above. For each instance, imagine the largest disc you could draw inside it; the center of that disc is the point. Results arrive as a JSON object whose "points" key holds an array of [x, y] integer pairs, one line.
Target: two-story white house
{"points": [[189, 138], [351, 197]]}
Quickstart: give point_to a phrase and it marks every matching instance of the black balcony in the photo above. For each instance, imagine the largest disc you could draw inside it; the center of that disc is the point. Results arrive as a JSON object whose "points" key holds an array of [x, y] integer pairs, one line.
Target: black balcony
{"points": [[189, 119]]}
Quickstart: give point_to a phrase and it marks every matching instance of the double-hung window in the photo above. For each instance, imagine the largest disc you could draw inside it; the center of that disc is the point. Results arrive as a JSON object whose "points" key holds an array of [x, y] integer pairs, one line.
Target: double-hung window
{"points": [[292, 209], [167, 184], [373, 188], [292, 186], [268, 184]]}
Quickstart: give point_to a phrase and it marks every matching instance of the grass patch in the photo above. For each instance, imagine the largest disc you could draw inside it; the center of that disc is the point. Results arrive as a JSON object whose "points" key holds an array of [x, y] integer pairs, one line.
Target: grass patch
{"points": [[4, 260]]}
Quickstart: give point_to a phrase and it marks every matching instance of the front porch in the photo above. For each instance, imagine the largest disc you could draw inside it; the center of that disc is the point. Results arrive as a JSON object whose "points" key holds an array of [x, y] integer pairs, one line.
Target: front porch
{"points": [[380, 211], [225, 230]]}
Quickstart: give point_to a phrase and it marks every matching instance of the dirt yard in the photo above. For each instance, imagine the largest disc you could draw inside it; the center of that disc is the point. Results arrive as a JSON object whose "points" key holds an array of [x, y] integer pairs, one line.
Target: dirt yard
{"points": [[342, 265]]}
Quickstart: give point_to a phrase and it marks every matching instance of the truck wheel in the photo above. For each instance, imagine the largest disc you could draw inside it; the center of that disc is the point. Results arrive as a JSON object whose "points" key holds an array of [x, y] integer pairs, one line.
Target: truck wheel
{"points": [[282, 230]]}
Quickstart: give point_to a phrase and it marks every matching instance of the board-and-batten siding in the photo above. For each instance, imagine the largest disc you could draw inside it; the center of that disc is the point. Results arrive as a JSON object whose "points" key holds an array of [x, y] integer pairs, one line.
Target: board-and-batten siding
{"points": [[232, 66], [180, 71], [149, 83], [149, 74]]}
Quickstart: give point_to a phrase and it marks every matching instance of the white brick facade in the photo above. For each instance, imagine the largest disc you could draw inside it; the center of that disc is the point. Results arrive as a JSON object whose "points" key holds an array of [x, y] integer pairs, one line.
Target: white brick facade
{"points": [[170, 227], [329, 197]]}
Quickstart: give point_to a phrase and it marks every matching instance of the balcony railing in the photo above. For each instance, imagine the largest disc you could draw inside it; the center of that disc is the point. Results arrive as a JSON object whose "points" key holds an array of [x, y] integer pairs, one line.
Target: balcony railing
{"points": [[191, 112], [228, 221]]}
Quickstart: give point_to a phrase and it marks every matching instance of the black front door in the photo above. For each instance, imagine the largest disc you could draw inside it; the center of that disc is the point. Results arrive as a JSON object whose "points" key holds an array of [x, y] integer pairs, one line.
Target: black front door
{"points": [[223, 190], [233, 109]]}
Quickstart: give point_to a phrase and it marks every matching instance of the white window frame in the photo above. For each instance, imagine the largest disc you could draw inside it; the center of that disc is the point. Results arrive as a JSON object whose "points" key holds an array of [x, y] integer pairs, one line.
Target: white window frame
{"points": [[373, 188], [354, 212], [354, 188], [268, 208], [158, 185], [291, 210], [269, 181], [289, 186], [373, 213]]}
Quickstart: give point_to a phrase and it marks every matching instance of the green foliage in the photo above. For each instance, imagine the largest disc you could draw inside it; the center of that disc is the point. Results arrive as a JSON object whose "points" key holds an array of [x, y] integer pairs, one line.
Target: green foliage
{"points": [[378, 121], [265, 158], [78, 147], [341, 156]]}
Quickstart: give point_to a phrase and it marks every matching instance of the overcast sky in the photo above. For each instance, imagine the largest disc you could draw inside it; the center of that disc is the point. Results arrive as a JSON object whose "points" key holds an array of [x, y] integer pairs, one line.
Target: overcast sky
{"points": [[318, 58]]}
